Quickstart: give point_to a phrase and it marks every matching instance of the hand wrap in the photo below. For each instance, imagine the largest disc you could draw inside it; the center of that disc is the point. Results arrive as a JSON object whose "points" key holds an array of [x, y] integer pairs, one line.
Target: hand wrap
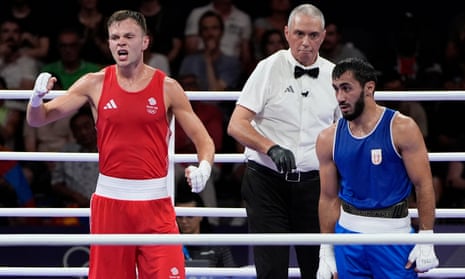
{"points": [[199, 176], [283, 158], [327, 265], [40, 89]]}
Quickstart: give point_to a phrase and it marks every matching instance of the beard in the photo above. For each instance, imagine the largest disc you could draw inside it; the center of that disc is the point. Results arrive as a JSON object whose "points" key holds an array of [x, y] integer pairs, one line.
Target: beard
{"points": [[359, 106]]}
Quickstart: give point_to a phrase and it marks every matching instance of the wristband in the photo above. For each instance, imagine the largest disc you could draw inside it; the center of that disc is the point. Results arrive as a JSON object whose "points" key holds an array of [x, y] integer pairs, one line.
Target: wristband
{"points": [[35, 101]]}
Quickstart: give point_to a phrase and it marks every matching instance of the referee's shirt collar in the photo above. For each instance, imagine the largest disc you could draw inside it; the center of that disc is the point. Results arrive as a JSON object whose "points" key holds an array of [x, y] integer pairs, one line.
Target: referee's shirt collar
{"points": [[294, 61]]}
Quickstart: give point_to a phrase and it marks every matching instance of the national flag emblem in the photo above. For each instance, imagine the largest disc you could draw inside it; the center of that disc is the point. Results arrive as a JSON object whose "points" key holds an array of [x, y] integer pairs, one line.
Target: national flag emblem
{"points": [[376, 156]]}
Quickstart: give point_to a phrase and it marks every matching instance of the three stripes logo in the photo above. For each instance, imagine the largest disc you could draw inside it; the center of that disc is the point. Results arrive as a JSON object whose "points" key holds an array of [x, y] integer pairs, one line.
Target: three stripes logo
{"points": [[110, 105], [289, 89]]}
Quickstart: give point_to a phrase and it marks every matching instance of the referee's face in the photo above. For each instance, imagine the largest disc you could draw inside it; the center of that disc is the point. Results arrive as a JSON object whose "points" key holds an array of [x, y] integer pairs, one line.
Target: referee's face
{"points": [[305, 35]]}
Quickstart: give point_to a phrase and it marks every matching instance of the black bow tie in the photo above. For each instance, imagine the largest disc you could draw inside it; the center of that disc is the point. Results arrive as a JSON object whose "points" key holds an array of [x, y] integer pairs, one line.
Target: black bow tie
{"points": [[313, 72]]}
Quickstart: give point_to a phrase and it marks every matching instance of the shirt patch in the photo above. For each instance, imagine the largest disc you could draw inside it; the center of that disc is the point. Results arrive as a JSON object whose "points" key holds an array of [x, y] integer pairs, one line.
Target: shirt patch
{"points": [[175, 274], [152, 107], [110, 105], [289, 89], [376, 156]]}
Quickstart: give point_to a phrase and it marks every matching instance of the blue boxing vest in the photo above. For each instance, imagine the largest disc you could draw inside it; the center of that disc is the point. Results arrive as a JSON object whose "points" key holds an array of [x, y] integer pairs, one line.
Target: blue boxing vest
{"points": [[372, 173]]}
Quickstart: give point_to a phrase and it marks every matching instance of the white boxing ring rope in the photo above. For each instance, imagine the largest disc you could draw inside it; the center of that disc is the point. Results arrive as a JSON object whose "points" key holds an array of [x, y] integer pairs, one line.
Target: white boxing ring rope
{"points": [[214, 239], [177, 158], [193, 271], [432, 95], [183, 211]]}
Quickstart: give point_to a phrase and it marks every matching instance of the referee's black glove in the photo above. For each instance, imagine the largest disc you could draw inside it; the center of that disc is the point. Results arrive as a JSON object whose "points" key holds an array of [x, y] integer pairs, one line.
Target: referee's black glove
{"points": [[283, 158]]}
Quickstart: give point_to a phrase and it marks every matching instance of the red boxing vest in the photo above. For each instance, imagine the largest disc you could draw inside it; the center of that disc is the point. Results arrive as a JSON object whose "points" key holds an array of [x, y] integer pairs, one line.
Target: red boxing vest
{"points": [[132, 129]]}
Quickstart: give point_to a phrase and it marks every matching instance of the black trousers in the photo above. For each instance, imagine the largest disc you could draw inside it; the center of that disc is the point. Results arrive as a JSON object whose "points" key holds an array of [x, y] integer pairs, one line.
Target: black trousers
{"points": [[275, 205]]}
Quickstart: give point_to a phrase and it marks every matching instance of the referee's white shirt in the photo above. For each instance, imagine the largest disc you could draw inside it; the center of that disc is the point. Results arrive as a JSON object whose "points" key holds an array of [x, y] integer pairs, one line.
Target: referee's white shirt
{"points": [[283, 113]]}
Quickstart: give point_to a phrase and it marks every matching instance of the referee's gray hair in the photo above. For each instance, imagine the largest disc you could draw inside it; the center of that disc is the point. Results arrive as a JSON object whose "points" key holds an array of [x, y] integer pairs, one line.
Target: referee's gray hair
{"points": [[306, 9]]}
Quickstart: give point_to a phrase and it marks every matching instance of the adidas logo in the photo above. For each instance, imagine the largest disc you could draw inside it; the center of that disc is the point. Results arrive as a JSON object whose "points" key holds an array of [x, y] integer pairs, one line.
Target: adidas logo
{"points": [[289, 89], [110, 105]]}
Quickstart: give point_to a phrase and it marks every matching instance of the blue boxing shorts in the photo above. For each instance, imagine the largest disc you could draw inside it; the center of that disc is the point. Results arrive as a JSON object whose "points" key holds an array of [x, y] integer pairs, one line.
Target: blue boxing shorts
{"points": [[372, 261]]}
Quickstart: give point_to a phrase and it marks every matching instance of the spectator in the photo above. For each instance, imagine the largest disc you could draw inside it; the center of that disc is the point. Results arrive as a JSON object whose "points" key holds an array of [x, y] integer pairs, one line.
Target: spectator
{"points": [[453, 195], [70, 66], [217, 256], [14, 182], [18, 69], [453, 64], [412, 53], [392, 81], [215, 70], [74, 182], [36, 32], [447, 136], [88, 18], [156, 60], [335, 48], [237, 31], [166, 31], [275, 19], [272, 41], [48, 138], [454, 188], [15, 190], [213, 119], [11, 123]]}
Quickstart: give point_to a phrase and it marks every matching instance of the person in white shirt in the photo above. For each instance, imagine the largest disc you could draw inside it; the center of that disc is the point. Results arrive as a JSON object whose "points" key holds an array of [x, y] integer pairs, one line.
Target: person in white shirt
{"points": [[236, 40], [285, 103]]}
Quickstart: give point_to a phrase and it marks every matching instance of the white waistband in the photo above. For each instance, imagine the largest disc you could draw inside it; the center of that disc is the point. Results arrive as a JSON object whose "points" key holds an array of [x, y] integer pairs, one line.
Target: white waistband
{"points": [[364, 224], [131, 189]]}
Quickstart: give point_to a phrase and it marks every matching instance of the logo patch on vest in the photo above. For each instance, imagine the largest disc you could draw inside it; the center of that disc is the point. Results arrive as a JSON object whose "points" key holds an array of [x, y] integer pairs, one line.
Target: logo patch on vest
{"points": [[152, 107], [376, 156]]}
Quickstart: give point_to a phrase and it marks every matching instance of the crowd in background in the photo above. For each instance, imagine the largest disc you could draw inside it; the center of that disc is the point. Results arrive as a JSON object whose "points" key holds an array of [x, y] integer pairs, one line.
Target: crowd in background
{"points": [[414, 48]]}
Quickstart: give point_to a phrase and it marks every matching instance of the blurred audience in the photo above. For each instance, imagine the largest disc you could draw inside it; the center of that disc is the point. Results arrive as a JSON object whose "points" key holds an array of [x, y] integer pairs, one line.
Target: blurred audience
{"points": [[272, 41], [453, 195], [237, 30], [156, 60], [15, 190], [392, 81], [89, 19], [275, 19], [216, 256], [74, 182], [335, 47], [453, 64], [70, 65], [13, 183], [215, 70], [18, 69], [11, 123], [165, 29], [36, 32], [213, 119], [48, 138]]}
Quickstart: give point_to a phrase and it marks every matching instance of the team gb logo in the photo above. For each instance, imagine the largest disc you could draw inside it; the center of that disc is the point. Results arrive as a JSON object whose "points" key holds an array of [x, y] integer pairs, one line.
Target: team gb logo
{"points": [[152, 107]]}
